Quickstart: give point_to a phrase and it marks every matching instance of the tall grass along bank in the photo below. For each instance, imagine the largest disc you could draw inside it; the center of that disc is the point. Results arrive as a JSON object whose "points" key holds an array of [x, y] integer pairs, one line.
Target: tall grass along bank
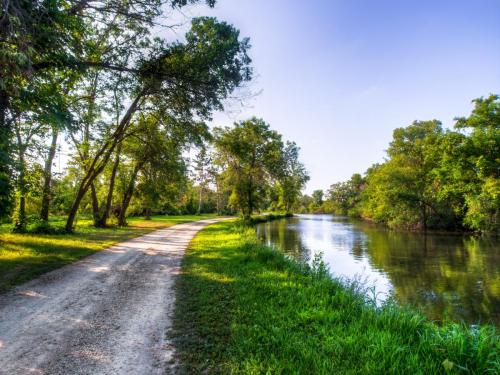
{"points": [[243, 308]]}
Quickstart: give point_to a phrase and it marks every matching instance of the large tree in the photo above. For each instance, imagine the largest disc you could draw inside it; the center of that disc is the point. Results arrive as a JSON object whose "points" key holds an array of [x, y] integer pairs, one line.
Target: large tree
{"points": [[185, 80], [479, 165], [401, 190], [292, 179], [43, 42], [251, 156]]}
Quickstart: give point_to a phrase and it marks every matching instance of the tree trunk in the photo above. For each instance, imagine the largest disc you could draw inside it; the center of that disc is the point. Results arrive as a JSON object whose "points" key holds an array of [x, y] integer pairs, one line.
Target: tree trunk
{"points": [[47, 175], [217, 198], [5, 160], [250, 202], [109, 198], [20, 225], [200, 200], [96, 215], [100, 160], [424, 217], [127, 196], [74, 209]]}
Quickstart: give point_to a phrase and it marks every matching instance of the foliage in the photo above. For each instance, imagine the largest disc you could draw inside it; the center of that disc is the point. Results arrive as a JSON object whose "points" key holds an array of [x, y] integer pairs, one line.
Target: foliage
{"points": [[253, 158], [432, 178], [91, 72]]}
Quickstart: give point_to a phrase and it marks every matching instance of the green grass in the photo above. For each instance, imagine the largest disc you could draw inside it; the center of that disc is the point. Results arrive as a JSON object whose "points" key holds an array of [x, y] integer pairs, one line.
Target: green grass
{"points": [[256, 219], [26, 256], [243, 308]]}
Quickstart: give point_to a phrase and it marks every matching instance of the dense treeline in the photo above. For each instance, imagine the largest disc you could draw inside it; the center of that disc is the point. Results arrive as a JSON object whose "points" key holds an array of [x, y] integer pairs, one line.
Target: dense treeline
{"points": [[89, 80], [432, 178]]}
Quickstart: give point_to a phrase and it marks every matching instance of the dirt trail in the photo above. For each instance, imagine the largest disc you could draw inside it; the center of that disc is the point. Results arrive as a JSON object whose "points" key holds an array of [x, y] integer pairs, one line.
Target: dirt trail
{"points": [[106, 314]]}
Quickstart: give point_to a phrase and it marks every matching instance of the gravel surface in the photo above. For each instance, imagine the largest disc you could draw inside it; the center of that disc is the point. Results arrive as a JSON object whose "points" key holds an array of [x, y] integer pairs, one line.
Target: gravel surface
{"points": [[106, 314]]}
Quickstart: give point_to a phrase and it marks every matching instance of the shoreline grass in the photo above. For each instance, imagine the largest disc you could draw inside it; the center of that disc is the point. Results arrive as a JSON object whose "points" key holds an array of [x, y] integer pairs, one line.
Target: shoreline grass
{"points": [[243, 308], [26, 256], [264, 218]]}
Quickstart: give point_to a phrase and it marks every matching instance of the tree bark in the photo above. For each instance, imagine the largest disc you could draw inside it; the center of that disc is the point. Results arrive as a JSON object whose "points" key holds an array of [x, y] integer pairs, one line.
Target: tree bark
{"points": [[5, 160], [20, 225], [95, 206], [217, 196], [200, 199], [47, 175], [109, 198], [127, 196]]}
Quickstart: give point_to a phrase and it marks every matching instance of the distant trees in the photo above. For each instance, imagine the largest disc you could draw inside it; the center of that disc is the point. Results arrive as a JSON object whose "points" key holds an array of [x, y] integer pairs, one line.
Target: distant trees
{"points": [[433, 178], [292, 178], [343, 197], [254, 160]]}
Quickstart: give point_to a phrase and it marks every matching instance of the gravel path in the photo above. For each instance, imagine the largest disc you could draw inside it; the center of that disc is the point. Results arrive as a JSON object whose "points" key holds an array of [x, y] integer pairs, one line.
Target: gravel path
{"points": [[106, 314]]}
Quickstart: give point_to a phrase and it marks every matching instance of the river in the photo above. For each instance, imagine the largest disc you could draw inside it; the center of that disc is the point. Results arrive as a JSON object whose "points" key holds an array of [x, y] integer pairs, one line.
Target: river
{"points": [[450, 277]]}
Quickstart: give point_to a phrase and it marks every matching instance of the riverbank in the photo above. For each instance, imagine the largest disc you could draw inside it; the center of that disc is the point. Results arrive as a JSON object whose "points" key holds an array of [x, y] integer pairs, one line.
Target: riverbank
{"points": [[26, 256], [264, 218], [245, 308]]}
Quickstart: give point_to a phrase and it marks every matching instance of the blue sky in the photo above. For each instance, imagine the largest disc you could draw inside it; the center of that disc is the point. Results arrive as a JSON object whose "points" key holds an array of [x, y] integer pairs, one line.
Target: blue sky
{"points": [[337, 76]]}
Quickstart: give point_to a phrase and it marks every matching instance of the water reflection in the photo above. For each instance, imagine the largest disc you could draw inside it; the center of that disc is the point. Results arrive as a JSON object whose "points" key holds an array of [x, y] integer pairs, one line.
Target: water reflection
{"points": [[445, 276]]}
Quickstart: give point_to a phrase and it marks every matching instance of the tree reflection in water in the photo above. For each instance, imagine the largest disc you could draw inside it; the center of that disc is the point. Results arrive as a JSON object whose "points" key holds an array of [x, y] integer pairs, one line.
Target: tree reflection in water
{"points": [[445, 276]]}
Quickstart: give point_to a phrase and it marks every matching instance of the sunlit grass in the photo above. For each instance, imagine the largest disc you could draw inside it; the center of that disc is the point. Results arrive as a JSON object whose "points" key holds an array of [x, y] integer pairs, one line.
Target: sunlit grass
{"points": [[243, 308], [26, 256]]}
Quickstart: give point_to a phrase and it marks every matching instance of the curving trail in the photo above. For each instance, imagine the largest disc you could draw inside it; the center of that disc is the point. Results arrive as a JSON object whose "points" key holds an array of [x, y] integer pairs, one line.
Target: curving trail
{"points": [[106, 314]]}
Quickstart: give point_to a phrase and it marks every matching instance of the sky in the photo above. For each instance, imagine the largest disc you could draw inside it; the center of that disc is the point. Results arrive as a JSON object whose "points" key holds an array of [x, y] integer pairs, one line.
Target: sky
{"points": [[338, 76]]}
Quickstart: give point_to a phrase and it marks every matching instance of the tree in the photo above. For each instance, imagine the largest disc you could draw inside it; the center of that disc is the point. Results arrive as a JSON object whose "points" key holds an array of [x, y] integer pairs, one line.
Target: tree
{"points": [[183, 80], [293, 177], [30, 32], [317, 196], [480, 166], [154, 150], [202, 175], [251, 156], [344, 197], [401, 190]]}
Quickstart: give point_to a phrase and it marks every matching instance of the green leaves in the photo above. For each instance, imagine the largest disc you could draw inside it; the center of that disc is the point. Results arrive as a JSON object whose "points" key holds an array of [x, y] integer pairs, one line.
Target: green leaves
{"points": [[433, 178], [253, 157]]}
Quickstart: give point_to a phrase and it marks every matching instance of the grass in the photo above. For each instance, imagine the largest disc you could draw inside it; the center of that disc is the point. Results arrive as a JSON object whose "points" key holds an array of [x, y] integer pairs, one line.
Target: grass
{"points": [[26, 256], [243, 308], [256, 219]]}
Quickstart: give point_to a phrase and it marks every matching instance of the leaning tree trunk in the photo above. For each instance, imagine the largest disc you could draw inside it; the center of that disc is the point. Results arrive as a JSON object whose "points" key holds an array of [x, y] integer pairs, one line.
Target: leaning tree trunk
{"points": [[100, 160], [20, 225], [200, 200], [96, 215], [127, 196], [47, 176], [109, 198]]}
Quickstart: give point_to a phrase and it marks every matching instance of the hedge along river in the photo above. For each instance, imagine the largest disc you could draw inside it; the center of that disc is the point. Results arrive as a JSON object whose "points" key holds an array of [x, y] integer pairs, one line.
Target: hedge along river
{"points": [[447, 277]]}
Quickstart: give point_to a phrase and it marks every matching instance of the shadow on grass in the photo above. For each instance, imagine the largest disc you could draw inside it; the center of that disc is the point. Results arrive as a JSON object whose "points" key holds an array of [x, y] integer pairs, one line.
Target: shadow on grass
{"points": [[36, 259], [26, 256]]}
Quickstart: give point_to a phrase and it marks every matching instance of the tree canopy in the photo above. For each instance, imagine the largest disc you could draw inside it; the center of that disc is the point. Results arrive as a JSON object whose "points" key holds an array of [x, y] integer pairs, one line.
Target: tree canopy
{"points": [[433, 178]]}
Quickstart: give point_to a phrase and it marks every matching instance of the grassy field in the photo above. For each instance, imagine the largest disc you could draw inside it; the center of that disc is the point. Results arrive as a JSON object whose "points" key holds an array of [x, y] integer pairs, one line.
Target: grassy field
{"points": [[243, 308], [26, 256]]}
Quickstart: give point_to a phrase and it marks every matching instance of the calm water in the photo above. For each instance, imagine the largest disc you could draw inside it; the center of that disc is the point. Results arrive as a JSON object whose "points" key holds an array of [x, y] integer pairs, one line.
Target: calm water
{"points": [[449, 276]]}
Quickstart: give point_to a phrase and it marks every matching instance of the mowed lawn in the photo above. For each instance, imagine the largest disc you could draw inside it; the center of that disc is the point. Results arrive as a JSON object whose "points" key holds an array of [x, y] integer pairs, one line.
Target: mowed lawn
{"points": [[26, 256]]}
